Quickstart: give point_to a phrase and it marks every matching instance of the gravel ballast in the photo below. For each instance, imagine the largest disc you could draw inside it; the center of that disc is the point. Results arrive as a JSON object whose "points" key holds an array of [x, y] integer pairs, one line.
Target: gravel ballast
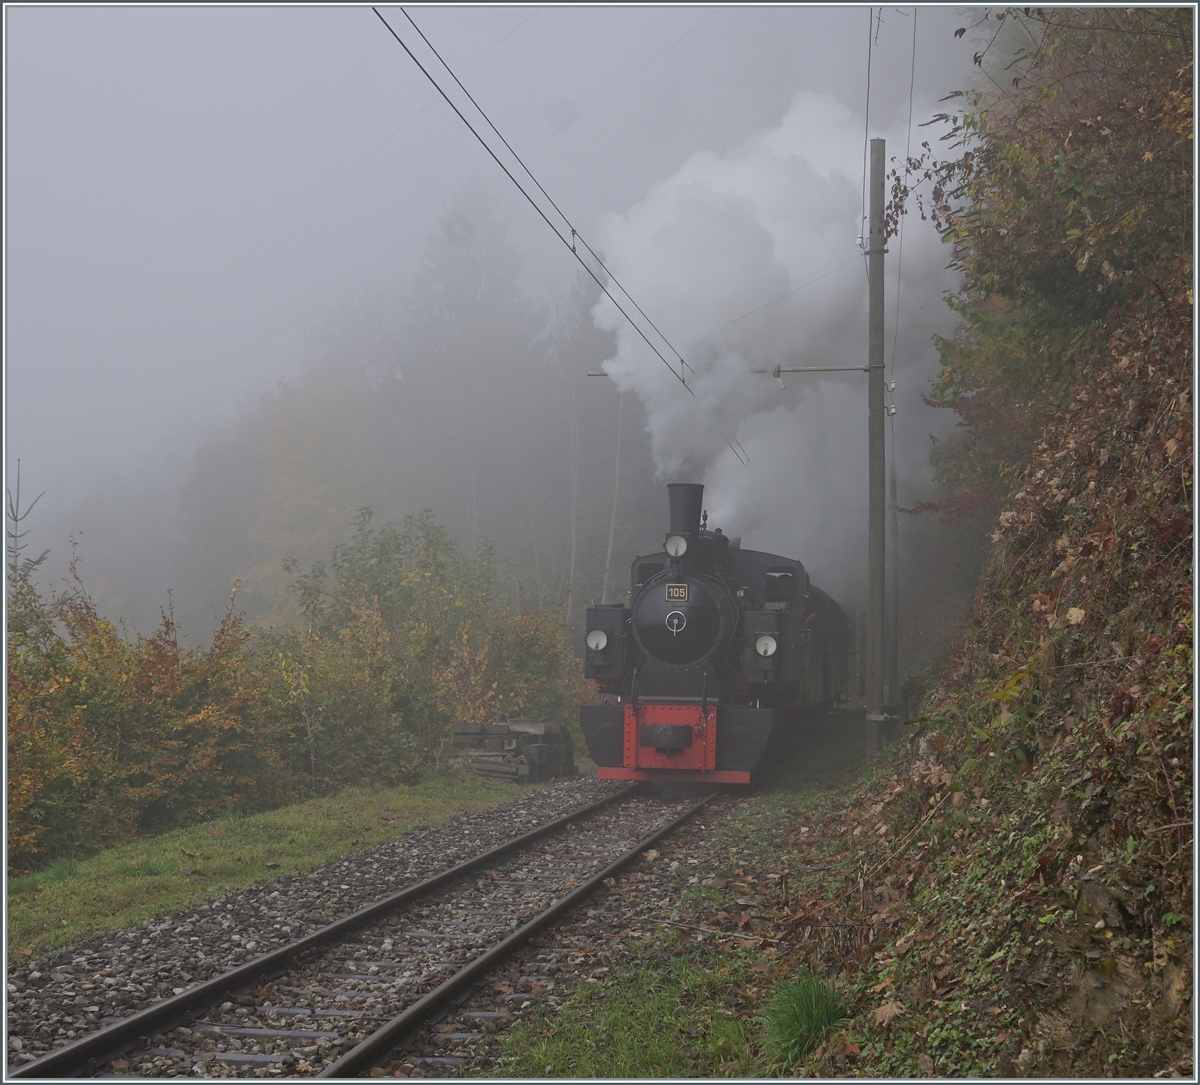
{"points": [[55, 999]]}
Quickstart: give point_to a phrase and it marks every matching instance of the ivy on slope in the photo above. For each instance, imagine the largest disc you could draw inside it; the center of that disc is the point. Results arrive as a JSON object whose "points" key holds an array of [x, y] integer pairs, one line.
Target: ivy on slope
{"points": [[1013, 894], [1074, 688]]}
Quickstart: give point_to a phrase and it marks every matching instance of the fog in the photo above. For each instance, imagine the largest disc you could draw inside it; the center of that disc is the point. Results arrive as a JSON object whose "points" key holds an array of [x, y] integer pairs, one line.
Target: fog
{"points": [[259, 275]]}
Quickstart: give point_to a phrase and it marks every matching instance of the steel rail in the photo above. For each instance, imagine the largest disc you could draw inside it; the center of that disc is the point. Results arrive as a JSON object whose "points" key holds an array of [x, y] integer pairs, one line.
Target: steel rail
{"points": [[380, 1041], [118, 1037]]}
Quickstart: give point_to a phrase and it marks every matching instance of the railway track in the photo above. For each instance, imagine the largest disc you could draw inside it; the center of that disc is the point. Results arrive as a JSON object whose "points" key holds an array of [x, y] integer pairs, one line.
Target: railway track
{"points": [[339, 1000]]}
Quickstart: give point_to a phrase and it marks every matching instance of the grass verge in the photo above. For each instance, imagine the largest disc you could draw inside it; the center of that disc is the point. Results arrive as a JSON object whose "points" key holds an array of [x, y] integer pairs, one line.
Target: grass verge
{"points": [[160, 875], [638, 1023]]}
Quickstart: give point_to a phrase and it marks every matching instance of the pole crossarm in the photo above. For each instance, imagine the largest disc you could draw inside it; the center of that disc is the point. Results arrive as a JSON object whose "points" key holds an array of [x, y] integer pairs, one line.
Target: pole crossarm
{"points": [[813, 369]]}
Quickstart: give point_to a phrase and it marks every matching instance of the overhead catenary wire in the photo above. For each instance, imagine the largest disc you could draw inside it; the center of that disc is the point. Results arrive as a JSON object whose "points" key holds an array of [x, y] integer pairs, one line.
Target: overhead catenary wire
{"points": [[890, 389], [907, 153], [866, 133], [893, 547], [575, 234], [532, 202], [794, 290], [612, 90]]}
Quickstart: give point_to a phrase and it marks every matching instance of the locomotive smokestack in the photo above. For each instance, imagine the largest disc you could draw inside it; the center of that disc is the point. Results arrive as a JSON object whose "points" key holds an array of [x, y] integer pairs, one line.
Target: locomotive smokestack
{"points": [[687, 499]]}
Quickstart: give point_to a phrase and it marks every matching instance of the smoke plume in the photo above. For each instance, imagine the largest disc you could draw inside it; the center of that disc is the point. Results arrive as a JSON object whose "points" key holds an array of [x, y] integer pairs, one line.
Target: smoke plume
{"points": [[748, 260]]}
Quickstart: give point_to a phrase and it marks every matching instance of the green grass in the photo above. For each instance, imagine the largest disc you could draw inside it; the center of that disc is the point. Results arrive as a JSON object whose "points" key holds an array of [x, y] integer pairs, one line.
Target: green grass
{"points": [[673, 1022], [800, 1013], [172, 872]]}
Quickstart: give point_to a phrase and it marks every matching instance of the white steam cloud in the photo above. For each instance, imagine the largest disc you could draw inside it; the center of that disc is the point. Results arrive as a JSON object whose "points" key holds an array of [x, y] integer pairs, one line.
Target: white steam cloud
{"points": [[748, 260]]}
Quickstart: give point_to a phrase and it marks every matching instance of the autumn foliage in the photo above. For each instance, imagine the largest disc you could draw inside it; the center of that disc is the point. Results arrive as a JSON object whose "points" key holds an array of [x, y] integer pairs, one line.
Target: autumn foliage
{"points": [[1070, 697], [111, 737], [1067, 203]]}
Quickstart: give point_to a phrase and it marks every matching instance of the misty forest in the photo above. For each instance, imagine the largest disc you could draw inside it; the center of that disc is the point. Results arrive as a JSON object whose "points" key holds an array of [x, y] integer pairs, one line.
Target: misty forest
{"points": [[270, 537], [360, 628], [314, 588]]}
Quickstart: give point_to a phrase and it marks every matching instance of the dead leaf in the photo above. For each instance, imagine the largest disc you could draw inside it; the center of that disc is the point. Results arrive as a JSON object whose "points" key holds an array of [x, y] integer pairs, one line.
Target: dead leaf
{"points": [[849, 1048], [1075, 615], [650, 855], [924, 1064], [888, 1012], [720, 883]]}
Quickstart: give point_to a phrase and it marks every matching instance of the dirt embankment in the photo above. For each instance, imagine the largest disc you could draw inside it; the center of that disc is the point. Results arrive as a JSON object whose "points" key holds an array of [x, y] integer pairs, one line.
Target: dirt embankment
{"points": [[1016, 892]]}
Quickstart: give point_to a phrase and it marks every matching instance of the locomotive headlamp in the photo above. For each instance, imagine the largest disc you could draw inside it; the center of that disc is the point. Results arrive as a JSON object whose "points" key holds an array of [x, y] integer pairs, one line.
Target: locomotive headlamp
{"points": [[766, 645], [597, 639], [676, 546]]}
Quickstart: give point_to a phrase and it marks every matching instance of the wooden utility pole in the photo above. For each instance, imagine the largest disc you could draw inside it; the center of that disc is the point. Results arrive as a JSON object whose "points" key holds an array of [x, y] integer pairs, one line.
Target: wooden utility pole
{"points": [[876, 501]]}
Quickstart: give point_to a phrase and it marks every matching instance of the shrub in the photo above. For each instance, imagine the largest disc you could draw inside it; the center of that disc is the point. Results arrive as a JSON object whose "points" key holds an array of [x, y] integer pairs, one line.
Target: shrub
{"points": [[112, 737]]}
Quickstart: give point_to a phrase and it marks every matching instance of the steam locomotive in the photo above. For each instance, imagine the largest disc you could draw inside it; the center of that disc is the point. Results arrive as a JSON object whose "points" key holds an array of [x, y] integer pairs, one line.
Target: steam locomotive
{"points": [[720, 649]]}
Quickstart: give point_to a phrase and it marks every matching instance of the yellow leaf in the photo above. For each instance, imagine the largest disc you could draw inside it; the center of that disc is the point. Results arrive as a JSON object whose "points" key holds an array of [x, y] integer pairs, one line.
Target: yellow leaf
{"points": [[888, 1012], [1075, 615]]}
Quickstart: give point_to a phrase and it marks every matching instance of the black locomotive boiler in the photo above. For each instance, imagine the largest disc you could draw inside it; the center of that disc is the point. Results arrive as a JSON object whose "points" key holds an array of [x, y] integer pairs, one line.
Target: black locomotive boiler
{"points": [[719, 648]]}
